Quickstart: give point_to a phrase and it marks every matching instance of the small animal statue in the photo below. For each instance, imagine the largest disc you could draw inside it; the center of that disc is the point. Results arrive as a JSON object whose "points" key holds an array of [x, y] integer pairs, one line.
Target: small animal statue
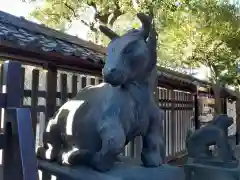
{"points": [[94, 127], [215, 133]]}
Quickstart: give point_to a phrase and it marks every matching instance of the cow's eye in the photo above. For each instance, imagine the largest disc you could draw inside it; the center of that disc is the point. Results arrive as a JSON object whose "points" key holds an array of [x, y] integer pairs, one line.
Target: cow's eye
{"points": [[130, 48]]}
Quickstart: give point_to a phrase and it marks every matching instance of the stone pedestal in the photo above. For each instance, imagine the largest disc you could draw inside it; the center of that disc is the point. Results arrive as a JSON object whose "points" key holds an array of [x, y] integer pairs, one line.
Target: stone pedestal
{"points": [[121, 171], [212, 170]]}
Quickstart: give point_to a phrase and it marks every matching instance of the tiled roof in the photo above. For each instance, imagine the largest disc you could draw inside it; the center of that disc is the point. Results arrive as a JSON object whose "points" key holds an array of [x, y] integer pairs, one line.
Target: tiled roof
{"points": [[21, 33]]}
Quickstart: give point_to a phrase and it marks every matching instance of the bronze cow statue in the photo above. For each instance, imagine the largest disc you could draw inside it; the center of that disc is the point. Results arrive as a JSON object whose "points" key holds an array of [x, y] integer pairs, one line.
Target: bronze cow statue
{"points": [[215, 133], [94, 127]]}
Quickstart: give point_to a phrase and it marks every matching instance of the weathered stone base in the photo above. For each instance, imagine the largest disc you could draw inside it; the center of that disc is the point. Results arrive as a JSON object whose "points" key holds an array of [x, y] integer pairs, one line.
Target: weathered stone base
{"points": [[121, 171], [212, 171]]}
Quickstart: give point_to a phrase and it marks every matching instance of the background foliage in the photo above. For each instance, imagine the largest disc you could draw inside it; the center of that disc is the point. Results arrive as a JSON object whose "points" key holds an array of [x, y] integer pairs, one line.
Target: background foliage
{"points": [[191, 32]]}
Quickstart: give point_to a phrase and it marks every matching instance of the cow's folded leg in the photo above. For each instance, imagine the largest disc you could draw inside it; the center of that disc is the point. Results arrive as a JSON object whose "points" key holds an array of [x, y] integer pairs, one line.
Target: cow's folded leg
{"points": [[51, 144], [76, 157], [113, 141]]}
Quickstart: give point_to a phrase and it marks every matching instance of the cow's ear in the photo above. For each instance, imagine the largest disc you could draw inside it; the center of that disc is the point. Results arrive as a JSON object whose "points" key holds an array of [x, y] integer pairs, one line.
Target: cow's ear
{"points": [[146, 24]]}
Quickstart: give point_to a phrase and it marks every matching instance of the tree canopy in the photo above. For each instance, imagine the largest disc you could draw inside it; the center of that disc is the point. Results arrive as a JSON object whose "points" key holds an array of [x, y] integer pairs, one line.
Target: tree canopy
{"points": [[58, 14]]}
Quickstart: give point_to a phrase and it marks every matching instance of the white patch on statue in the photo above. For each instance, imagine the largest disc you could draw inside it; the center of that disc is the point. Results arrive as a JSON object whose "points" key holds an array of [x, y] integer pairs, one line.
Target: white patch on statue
{"points": [[72, 106], [65, 155], [50, 123], [48, 152]]}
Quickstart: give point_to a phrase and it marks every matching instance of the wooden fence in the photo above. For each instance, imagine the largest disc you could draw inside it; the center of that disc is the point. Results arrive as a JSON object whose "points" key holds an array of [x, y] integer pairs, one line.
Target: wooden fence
{"points": [[45, 91]]}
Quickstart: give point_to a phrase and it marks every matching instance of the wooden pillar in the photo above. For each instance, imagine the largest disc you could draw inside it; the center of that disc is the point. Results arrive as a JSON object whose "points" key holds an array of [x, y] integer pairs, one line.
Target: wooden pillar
{"points": [[50, 101], [237, 121], [63, 88], [224, 108], [173, 123], [196, 112], [51, 92], [34, 99], [217, 96]]}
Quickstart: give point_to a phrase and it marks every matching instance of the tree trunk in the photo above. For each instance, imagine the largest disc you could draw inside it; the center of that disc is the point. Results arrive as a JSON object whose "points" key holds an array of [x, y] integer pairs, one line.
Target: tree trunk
{"points": [[217, 96]]}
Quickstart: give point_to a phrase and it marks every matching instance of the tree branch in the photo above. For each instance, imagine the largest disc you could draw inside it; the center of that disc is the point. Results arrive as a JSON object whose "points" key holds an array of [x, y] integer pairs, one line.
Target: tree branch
{"points": [[66, 16], [116, 13], [91, 26], [93, 5], [102, 18], [71, 9]]}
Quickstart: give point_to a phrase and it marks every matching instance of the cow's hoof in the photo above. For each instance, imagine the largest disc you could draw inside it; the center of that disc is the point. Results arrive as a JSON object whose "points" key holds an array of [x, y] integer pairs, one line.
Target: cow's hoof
{"points": [[151, 159], [102, 163]]}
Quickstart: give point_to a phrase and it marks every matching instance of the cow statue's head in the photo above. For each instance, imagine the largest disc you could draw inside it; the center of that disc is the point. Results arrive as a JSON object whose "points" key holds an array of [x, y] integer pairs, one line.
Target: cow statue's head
{"points": [[223, 121], [130, 57]]}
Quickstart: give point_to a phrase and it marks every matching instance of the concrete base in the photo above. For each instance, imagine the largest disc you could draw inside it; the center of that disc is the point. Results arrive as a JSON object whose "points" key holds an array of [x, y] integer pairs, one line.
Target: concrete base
{"points": [[215, 171], [121, 171]]}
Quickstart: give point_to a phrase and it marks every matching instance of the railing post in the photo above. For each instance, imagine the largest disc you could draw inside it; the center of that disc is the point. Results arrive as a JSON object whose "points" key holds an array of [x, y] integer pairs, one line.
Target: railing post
{"points": [[20, 119], [26, 143], [11, 154], [19, 160]]}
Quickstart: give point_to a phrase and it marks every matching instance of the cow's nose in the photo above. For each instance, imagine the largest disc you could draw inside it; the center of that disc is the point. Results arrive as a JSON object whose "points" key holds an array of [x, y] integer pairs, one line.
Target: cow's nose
{"points": [[113, 76]]}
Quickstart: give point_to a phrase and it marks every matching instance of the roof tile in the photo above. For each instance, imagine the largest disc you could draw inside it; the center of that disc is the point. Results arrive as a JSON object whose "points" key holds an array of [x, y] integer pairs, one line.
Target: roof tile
{"points": [[41, 42]]}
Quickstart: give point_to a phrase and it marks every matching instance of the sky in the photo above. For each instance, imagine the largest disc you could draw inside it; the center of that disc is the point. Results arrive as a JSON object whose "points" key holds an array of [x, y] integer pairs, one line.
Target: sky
{"points": [[18, 8]]}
